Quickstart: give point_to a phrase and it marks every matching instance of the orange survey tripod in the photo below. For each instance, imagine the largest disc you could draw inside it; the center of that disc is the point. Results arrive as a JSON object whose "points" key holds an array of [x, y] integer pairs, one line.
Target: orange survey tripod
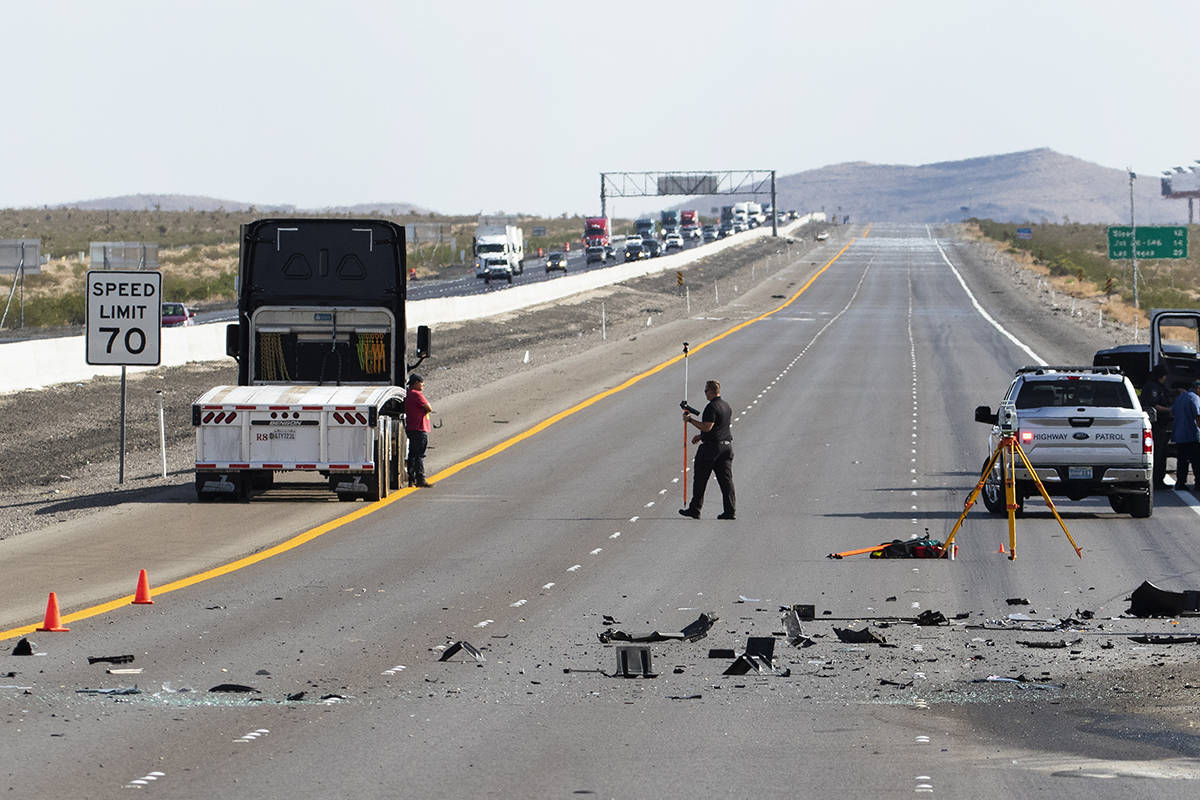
{"points": [[1007, 452]]}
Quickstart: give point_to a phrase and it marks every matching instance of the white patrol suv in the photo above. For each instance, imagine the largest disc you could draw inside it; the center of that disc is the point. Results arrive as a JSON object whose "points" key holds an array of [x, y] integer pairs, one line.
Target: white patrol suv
{"points": [[1085, 434]]}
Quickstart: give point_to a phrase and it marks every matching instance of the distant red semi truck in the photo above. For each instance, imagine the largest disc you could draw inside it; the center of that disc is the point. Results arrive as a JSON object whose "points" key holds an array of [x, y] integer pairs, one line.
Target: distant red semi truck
{"points": [[596, 231], [689, 224]]}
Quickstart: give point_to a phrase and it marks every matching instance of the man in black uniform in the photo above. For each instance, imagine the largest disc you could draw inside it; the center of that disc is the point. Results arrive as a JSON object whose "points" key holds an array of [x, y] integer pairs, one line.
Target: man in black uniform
{"points": [[715, 453], [1156, 395]]}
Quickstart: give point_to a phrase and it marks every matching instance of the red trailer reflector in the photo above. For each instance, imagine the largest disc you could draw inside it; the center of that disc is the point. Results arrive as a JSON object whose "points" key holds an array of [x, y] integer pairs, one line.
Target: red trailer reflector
{"points": [[361, 419], [337, 416], [206, 466], [339, 466], [239, 466], [272, 466], [207, 417]]}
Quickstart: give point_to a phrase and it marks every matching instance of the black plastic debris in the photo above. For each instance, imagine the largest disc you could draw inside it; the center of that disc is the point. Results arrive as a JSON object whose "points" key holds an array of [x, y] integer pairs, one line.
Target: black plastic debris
{"points": [[1059, 645], [1165, 639], [864, 636], [694, 631], [685, 697], [886, 682], [609, 620], [1017, 601], [462, 647], [296, 696], [762, 647], [721, 652], [698, 629], [125, 659], [234, 688], [123, 690], [930, 617], [1150, 601], [23, 648], [634, 661], [744, 664]]}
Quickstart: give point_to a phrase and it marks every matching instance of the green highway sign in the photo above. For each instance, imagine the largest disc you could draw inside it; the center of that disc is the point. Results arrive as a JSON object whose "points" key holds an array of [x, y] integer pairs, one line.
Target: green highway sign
{"points": [[1152, 241]]}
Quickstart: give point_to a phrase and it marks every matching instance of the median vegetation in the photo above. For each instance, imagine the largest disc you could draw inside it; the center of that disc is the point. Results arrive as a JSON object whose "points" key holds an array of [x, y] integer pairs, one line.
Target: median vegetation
{"points": [[1078, 254], [198, 252]]}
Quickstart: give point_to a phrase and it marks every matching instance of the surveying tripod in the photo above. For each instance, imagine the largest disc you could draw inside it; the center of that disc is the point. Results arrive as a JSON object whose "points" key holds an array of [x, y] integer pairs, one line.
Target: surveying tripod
{"points": [[1007, 452]]}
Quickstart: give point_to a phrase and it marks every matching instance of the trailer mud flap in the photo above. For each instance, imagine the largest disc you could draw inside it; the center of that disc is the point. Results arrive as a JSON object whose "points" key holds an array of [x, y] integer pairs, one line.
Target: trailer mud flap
{"points": [[355, 486], [214, 484]]}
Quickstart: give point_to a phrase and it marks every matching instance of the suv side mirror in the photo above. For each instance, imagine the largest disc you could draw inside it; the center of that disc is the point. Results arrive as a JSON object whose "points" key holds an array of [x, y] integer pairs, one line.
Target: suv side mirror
{"points": [[984, 414]]}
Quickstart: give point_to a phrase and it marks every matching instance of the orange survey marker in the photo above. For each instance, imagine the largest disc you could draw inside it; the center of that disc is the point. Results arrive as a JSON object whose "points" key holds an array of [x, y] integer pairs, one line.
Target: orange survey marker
{"points": [[52, 621], [142, 596]]}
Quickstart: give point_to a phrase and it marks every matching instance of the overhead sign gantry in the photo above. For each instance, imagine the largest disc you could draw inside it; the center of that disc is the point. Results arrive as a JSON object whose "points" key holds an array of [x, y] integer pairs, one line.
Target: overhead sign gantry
{"points": [[656, 184]]}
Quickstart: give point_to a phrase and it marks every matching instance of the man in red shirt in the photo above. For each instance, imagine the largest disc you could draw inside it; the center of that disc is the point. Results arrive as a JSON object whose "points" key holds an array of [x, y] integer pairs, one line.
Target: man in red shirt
{"points": [[416, 428]]}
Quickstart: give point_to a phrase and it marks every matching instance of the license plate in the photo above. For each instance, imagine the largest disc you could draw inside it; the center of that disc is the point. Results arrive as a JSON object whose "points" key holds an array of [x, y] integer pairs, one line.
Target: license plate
{"points": [[1079, 473]]}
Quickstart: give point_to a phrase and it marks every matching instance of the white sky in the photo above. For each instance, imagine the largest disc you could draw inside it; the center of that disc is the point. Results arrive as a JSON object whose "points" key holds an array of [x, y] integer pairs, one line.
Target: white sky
{"points": [[518, 106]]}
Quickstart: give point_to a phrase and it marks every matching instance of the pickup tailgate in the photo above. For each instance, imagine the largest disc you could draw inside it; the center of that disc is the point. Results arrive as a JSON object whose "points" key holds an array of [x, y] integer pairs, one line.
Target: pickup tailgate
{"points": [[1069, 436]]}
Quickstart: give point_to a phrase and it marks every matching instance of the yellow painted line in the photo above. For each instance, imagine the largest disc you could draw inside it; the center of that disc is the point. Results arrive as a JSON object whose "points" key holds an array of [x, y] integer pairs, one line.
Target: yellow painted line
{"points": [[370, 508]]}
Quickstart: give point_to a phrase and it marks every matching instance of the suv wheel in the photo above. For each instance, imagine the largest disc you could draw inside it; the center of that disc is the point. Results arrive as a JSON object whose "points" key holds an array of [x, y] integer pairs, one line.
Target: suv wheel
{"points": [[993, 492]]}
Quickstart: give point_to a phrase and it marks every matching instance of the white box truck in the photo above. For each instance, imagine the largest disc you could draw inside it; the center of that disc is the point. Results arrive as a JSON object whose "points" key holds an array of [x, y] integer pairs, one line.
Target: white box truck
{"points": [[499, 249]]}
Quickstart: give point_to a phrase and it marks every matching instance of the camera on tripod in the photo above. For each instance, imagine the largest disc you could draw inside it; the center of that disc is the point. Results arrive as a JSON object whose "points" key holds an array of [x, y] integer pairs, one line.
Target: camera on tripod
{"points": [[1006, 419]]}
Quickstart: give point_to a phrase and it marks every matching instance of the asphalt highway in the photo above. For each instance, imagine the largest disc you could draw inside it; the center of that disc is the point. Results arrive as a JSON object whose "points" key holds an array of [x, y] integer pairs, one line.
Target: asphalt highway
{"points": [[853, 392]]}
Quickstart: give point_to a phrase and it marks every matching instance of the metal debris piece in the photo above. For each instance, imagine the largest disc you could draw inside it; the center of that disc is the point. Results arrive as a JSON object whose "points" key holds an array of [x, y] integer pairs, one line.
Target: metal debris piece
{"points": [[633, 661], [23, 648], [685, 697], [609, 620], [1017, 601], [886, 682], [126, 671], [110, 659], [118, 691], [1150, 601], [1021, 682], [465, 647], [1059, 645], [721, 652], [795, 636], [694, 631], [930, 617], [1165, 639], [234, 688], [864, 636]]}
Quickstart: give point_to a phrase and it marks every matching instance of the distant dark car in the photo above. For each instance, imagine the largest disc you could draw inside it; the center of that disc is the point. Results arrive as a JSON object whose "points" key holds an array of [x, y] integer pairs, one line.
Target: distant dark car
{"points": [[175, 315], [557, 260], [653, 247], [600, 253], [635, 250]]}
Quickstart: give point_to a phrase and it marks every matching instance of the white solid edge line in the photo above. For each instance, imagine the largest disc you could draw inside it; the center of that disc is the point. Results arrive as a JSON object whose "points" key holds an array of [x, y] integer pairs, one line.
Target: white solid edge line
{"points": [[1003, 331]]}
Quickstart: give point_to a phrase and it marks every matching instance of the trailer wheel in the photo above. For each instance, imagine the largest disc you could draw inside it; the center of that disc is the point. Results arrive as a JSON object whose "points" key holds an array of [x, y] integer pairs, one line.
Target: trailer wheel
{"points": [[377, 486]]}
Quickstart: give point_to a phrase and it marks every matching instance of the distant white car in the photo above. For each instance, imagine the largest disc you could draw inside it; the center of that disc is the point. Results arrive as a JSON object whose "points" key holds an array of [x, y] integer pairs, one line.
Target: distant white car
{"points": [[673, 241]]}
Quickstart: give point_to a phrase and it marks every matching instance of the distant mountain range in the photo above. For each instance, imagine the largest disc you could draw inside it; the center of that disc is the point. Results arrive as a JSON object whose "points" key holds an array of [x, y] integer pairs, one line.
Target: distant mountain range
{"points": [[189, 202], [1029, 186]]}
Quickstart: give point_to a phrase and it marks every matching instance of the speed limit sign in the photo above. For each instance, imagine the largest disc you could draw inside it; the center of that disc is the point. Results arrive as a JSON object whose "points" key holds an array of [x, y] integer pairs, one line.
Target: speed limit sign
{"points": [[124, 318]]}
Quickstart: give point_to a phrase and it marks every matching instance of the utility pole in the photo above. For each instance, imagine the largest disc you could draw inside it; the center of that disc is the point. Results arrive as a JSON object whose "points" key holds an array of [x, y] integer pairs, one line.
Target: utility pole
{"points": [[1133, 248]]}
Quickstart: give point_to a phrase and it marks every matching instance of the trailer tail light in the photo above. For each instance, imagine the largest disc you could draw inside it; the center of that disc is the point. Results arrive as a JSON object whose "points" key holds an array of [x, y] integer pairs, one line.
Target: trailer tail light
{"points": [[1026, 437], [349, 416], [1147, 440]]}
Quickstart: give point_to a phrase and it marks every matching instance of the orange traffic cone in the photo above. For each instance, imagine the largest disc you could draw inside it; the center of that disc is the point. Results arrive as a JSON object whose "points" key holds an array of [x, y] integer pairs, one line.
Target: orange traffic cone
{"points": [[1001, 550], [142, 596], [52, 621]]}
